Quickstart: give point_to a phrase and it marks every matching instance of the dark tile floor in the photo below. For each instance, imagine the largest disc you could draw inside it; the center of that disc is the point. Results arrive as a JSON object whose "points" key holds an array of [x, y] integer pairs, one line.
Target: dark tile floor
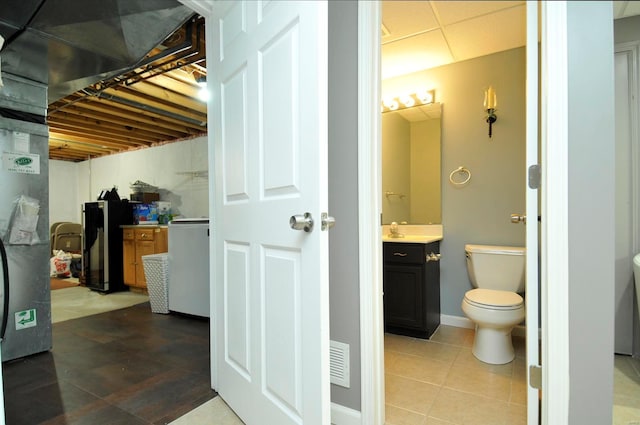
{"points": [[126, 366]]}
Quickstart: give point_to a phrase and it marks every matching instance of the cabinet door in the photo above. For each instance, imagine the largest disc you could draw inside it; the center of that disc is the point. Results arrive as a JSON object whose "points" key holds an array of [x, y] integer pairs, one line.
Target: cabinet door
{"points": [[162, 240], [142, 248], [129, 261], [404, 295]]}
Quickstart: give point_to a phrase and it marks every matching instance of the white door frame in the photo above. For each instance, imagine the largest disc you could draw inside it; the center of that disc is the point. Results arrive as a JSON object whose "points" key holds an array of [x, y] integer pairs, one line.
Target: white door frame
{"points": [[205, 9], [369, 210], [554, 235], [554, 250], [532, 280]]}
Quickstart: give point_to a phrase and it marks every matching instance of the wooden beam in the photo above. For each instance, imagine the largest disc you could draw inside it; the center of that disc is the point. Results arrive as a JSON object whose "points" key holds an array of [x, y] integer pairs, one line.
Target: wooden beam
{"points": [[105, 128]]}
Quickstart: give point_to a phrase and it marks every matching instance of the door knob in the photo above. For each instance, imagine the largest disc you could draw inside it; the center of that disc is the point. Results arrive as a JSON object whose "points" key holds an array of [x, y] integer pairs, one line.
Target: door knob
{"points": [[301, 222], [518, 218], [327, 221]]}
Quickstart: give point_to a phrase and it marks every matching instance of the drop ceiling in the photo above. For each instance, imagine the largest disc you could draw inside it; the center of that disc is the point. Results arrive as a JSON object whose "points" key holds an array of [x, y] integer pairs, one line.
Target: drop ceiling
{"points": [[150, 107], [418, 35]]}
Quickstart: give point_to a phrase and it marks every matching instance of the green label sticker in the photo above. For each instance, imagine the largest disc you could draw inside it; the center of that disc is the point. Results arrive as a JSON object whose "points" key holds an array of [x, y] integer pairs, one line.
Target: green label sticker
{"points": [[26, 319]]}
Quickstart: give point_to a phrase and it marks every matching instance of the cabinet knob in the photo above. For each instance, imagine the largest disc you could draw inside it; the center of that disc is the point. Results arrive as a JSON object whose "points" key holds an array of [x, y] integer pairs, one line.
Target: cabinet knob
{"points": [[433, 257]]}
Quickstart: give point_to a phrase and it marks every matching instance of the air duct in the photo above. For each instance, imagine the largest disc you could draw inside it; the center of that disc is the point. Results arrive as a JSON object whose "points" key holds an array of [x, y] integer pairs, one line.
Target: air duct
{"points": [[68, 44]]}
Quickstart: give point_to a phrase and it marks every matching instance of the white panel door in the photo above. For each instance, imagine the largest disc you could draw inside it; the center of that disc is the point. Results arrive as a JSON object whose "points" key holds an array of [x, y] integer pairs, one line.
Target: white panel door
{"points": [[270, 73], [532, 286]]}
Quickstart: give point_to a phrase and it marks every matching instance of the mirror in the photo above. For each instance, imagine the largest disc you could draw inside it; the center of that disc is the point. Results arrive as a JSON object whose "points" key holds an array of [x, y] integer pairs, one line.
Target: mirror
{"points": [[411, 192]]}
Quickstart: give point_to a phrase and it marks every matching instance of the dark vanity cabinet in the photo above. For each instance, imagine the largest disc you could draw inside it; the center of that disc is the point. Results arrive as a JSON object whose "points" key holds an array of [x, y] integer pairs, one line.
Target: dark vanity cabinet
{"points": [[411, 288]]}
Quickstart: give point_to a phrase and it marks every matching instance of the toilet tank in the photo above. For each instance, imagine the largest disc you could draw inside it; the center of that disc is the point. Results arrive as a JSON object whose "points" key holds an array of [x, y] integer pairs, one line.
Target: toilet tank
{"points": [[496, 267]]}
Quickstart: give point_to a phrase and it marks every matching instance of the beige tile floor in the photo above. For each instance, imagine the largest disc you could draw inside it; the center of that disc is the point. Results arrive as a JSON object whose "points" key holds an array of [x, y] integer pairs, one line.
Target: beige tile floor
{"points": [[215, 411], [440, 382], [626, 391]]}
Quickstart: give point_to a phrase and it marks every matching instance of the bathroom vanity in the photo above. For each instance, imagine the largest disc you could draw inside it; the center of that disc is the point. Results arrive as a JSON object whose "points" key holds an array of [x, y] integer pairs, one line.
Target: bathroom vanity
{"points": [[411, 282]]}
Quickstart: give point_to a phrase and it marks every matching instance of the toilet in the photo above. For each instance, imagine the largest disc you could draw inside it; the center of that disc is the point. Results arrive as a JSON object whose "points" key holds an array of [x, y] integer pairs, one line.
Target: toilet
{"points": [[497, 273]]}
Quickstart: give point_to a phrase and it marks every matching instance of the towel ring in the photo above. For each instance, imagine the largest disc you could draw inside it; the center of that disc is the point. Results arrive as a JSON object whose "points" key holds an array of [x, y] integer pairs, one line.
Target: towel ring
{"points": [[460, 170]]}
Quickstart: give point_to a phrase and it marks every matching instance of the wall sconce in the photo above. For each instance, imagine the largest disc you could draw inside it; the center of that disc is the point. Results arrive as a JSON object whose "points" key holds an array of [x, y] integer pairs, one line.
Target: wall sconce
{"points": [[408, 100], [490, 103]]}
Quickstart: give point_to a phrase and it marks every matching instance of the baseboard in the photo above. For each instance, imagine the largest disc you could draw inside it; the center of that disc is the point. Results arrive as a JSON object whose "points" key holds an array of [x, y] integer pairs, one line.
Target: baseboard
{"points": [[519, 331], [457, 321], [463, 322], [341, 415]]}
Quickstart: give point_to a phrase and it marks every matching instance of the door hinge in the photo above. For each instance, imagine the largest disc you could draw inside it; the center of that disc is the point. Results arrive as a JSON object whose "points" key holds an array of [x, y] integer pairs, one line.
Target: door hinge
{"points": [[535, 377], [534, 176]]}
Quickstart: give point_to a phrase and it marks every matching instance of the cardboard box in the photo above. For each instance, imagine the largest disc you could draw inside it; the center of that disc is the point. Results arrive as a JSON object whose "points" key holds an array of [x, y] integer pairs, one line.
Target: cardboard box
{"points": [[145, 197]]}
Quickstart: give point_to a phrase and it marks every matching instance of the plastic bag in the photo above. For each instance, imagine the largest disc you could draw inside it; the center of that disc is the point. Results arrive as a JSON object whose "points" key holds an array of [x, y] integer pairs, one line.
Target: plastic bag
{"points": [[24, 222], [60, 264]]}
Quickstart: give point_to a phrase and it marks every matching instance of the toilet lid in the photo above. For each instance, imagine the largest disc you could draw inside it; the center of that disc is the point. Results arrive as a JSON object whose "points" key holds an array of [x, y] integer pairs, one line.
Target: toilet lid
{"points": [[495, 299]]}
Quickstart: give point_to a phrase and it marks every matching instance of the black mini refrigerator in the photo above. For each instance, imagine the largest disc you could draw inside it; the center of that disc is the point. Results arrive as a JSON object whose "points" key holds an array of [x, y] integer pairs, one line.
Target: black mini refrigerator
{"points": [[102, 244]]}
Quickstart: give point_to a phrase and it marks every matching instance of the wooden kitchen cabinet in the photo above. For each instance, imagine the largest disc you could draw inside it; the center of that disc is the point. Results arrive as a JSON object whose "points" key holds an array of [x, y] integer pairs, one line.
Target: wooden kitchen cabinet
{"points": [[139, 241], [411, 281]]}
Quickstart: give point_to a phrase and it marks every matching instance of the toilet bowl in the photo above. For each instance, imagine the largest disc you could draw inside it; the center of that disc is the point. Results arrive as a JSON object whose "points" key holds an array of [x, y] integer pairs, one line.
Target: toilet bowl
{"points": [[495, 313], [497, 273]]}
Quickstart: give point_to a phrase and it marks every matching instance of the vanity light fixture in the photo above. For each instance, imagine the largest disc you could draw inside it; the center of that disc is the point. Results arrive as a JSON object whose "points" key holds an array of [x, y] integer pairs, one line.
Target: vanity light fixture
{"points": [[490, 103], [408, 100]]}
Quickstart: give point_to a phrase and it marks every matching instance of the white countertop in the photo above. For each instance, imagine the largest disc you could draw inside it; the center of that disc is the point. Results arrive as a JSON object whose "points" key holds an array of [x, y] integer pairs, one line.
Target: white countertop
{"points": [[414, 233]]}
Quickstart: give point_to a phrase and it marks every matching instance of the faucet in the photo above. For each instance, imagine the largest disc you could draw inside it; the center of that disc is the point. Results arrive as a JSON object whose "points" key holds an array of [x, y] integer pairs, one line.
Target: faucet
{"points": [[393, 231]]}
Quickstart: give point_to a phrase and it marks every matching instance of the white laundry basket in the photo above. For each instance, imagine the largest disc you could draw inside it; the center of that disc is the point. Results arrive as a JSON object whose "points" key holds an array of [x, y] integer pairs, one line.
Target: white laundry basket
{"points": [[156, 271]]}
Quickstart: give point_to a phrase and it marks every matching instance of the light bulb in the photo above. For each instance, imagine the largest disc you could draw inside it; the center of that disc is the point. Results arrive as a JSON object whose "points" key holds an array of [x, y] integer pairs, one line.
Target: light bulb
{"points": [[425, 97], [392, 104], [408, 101], [203, 93]]}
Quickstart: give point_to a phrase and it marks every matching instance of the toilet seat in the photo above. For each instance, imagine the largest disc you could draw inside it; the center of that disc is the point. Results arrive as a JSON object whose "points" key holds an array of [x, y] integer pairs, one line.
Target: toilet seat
{"points": [[494, 299]]}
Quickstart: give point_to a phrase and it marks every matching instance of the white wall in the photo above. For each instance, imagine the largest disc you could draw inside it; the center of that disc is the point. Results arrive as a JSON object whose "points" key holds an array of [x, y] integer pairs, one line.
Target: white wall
{"points": [[64, 204], [72, 184]]}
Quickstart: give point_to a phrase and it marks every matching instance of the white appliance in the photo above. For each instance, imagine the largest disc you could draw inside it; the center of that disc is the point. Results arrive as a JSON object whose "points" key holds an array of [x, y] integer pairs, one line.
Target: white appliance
{"points": [[189, 266]]}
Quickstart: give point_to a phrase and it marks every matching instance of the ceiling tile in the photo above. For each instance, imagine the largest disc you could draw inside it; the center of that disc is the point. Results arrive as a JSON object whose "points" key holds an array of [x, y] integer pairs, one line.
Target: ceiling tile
{"points": [[414, 54], [404, 18], [488, 34], [451, 12]]}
